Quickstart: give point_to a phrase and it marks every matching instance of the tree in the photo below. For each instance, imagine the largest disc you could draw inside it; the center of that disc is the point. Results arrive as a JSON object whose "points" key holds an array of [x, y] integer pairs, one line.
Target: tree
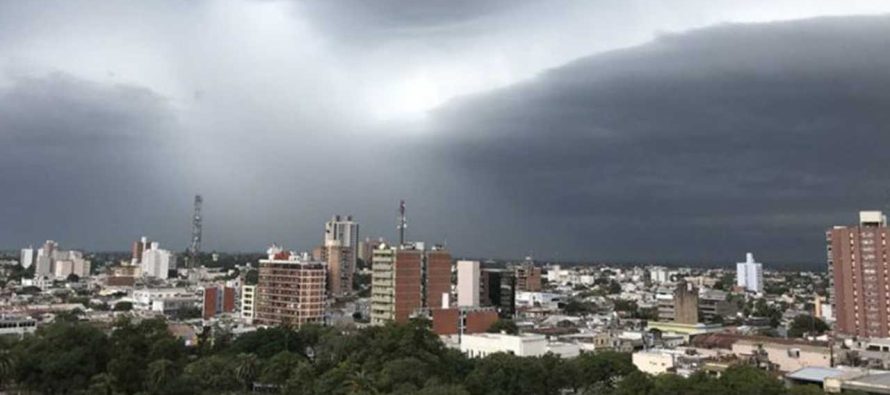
{"points": [[504, 325], [246, 370], [123, 306], [742, 380], [73, 278], [251, 277], [160, 374], [278, 368], [807, 324], [7, 367], [60, 358], [807, 390], [635, 383]]}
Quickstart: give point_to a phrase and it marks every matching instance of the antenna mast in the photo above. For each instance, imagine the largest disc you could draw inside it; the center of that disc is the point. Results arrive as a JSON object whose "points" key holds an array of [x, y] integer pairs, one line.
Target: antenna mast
{"points": [[403, 223], [195, 246]]}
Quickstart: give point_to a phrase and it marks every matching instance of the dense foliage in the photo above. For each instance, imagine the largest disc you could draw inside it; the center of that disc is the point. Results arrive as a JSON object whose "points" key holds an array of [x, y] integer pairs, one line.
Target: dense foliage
{"points": [[144, 358]]}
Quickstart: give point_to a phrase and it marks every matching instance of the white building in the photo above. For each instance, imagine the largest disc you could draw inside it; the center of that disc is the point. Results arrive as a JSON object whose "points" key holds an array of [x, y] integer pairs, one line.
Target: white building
{"points": [[157, 262], [654, 362], [17, 326], [248, 303], [659, 275], [540, 299], [162, 299], [481, 345], [749, 274], [58, 264], [468, 283], [63, 269], [27, 257]]}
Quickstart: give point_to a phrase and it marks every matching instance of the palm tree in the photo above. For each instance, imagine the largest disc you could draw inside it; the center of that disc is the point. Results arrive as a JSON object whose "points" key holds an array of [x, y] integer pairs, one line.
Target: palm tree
{"points": [[360, 382], [7, 367], [101, 384], [246, 369], [160, 373]]}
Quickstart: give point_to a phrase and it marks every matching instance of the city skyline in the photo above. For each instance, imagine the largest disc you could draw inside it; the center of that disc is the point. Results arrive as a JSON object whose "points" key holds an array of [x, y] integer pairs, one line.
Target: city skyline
{"points": [[670, 136]]}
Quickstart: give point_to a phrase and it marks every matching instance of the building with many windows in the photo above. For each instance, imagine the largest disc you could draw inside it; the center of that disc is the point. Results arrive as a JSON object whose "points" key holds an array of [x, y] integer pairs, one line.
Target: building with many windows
{"points": [[859, 269], [408, 280], [749, 274], [340, 251], [290, 290]]}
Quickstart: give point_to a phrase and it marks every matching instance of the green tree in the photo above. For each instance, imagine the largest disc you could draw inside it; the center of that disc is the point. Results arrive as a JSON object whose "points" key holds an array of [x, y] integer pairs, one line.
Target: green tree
{"points": [[635, 383], [246, 370], [807, 324], [251, 277], [504, 325], [61, 357], [123, 306], [160, 374], [807, 390], [744, 380], [278, 369]]}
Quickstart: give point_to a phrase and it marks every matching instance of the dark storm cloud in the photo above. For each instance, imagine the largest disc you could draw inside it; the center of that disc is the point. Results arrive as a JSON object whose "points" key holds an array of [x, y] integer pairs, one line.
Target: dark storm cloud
{"points": [[395, 19], [698, 145], [83, 162]]}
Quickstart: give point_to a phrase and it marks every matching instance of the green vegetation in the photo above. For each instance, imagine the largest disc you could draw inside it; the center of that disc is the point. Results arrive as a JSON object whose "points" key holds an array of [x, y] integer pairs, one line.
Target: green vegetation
{"points": [[143, 358], [504, 325], [807, 325]]}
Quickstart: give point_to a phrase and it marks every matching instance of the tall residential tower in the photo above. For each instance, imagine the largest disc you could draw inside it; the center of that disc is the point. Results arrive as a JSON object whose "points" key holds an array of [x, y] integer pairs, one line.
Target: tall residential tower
{"points": [[339, 251], [859, 268]]}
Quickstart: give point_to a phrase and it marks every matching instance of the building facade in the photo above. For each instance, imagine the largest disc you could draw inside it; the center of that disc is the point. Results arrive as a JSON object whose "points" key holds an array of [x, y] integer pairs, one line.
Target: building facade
{"points": [[340, 252], [468, 282], [437, 278], [291, 290], [528, 277], [218, 300], [408, 280], [157, 262], [248, 303], [27, 257], [749, 274], [859, 269], [498, 289]]}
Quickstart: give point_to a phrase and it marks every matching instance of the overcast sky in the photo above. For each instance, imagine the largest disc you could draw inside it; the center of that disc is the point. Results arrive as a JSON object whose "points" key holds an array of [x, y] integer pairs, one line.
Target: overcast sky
{"points": [[686, 131]]}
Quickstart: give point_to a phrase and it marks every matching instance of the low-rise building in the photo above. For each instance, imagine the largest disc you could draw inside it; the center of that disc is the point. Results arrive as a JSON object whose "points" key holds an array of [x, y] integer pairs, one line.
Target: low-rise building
{"points": [[481, 345]]}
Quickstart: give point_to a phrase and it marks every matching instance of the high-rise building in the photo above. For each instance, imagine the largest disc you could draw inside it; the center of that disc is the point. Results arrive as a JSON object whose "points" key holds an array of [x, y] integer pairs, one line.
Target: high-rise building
{"points": [[749, 274], [498, 289], [157, 262], [407, 280], [858, 268], [340, 251], [396, 284], [140, 246], [468, 282], [52, 262], [437, 278], [218, 300], [290, 290], [27, 257], [528, 276]]}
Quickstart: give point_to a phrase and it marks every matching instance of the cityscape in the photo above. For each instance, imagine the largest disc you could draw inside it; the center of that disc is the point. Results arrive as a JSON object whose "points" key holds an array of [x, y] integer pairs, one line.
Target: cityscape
{"points": [[617, 198]]}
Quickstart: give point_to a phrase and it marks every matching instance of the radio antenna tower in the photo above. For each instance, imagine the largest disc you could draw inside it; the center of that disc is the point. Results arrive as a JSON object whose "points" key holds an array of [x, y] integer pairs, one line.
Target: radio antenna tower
{"points": [[403, 223], [195, 247]]}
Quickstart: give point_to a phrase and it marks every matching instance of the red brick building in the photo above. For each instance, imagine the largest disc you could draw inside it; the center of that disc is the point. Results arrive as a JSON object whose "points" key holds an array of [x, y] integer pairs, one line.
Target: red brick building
{"points": [[451, 321], [218, 300], [290, 290], [859, 269], [438, 277]]}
